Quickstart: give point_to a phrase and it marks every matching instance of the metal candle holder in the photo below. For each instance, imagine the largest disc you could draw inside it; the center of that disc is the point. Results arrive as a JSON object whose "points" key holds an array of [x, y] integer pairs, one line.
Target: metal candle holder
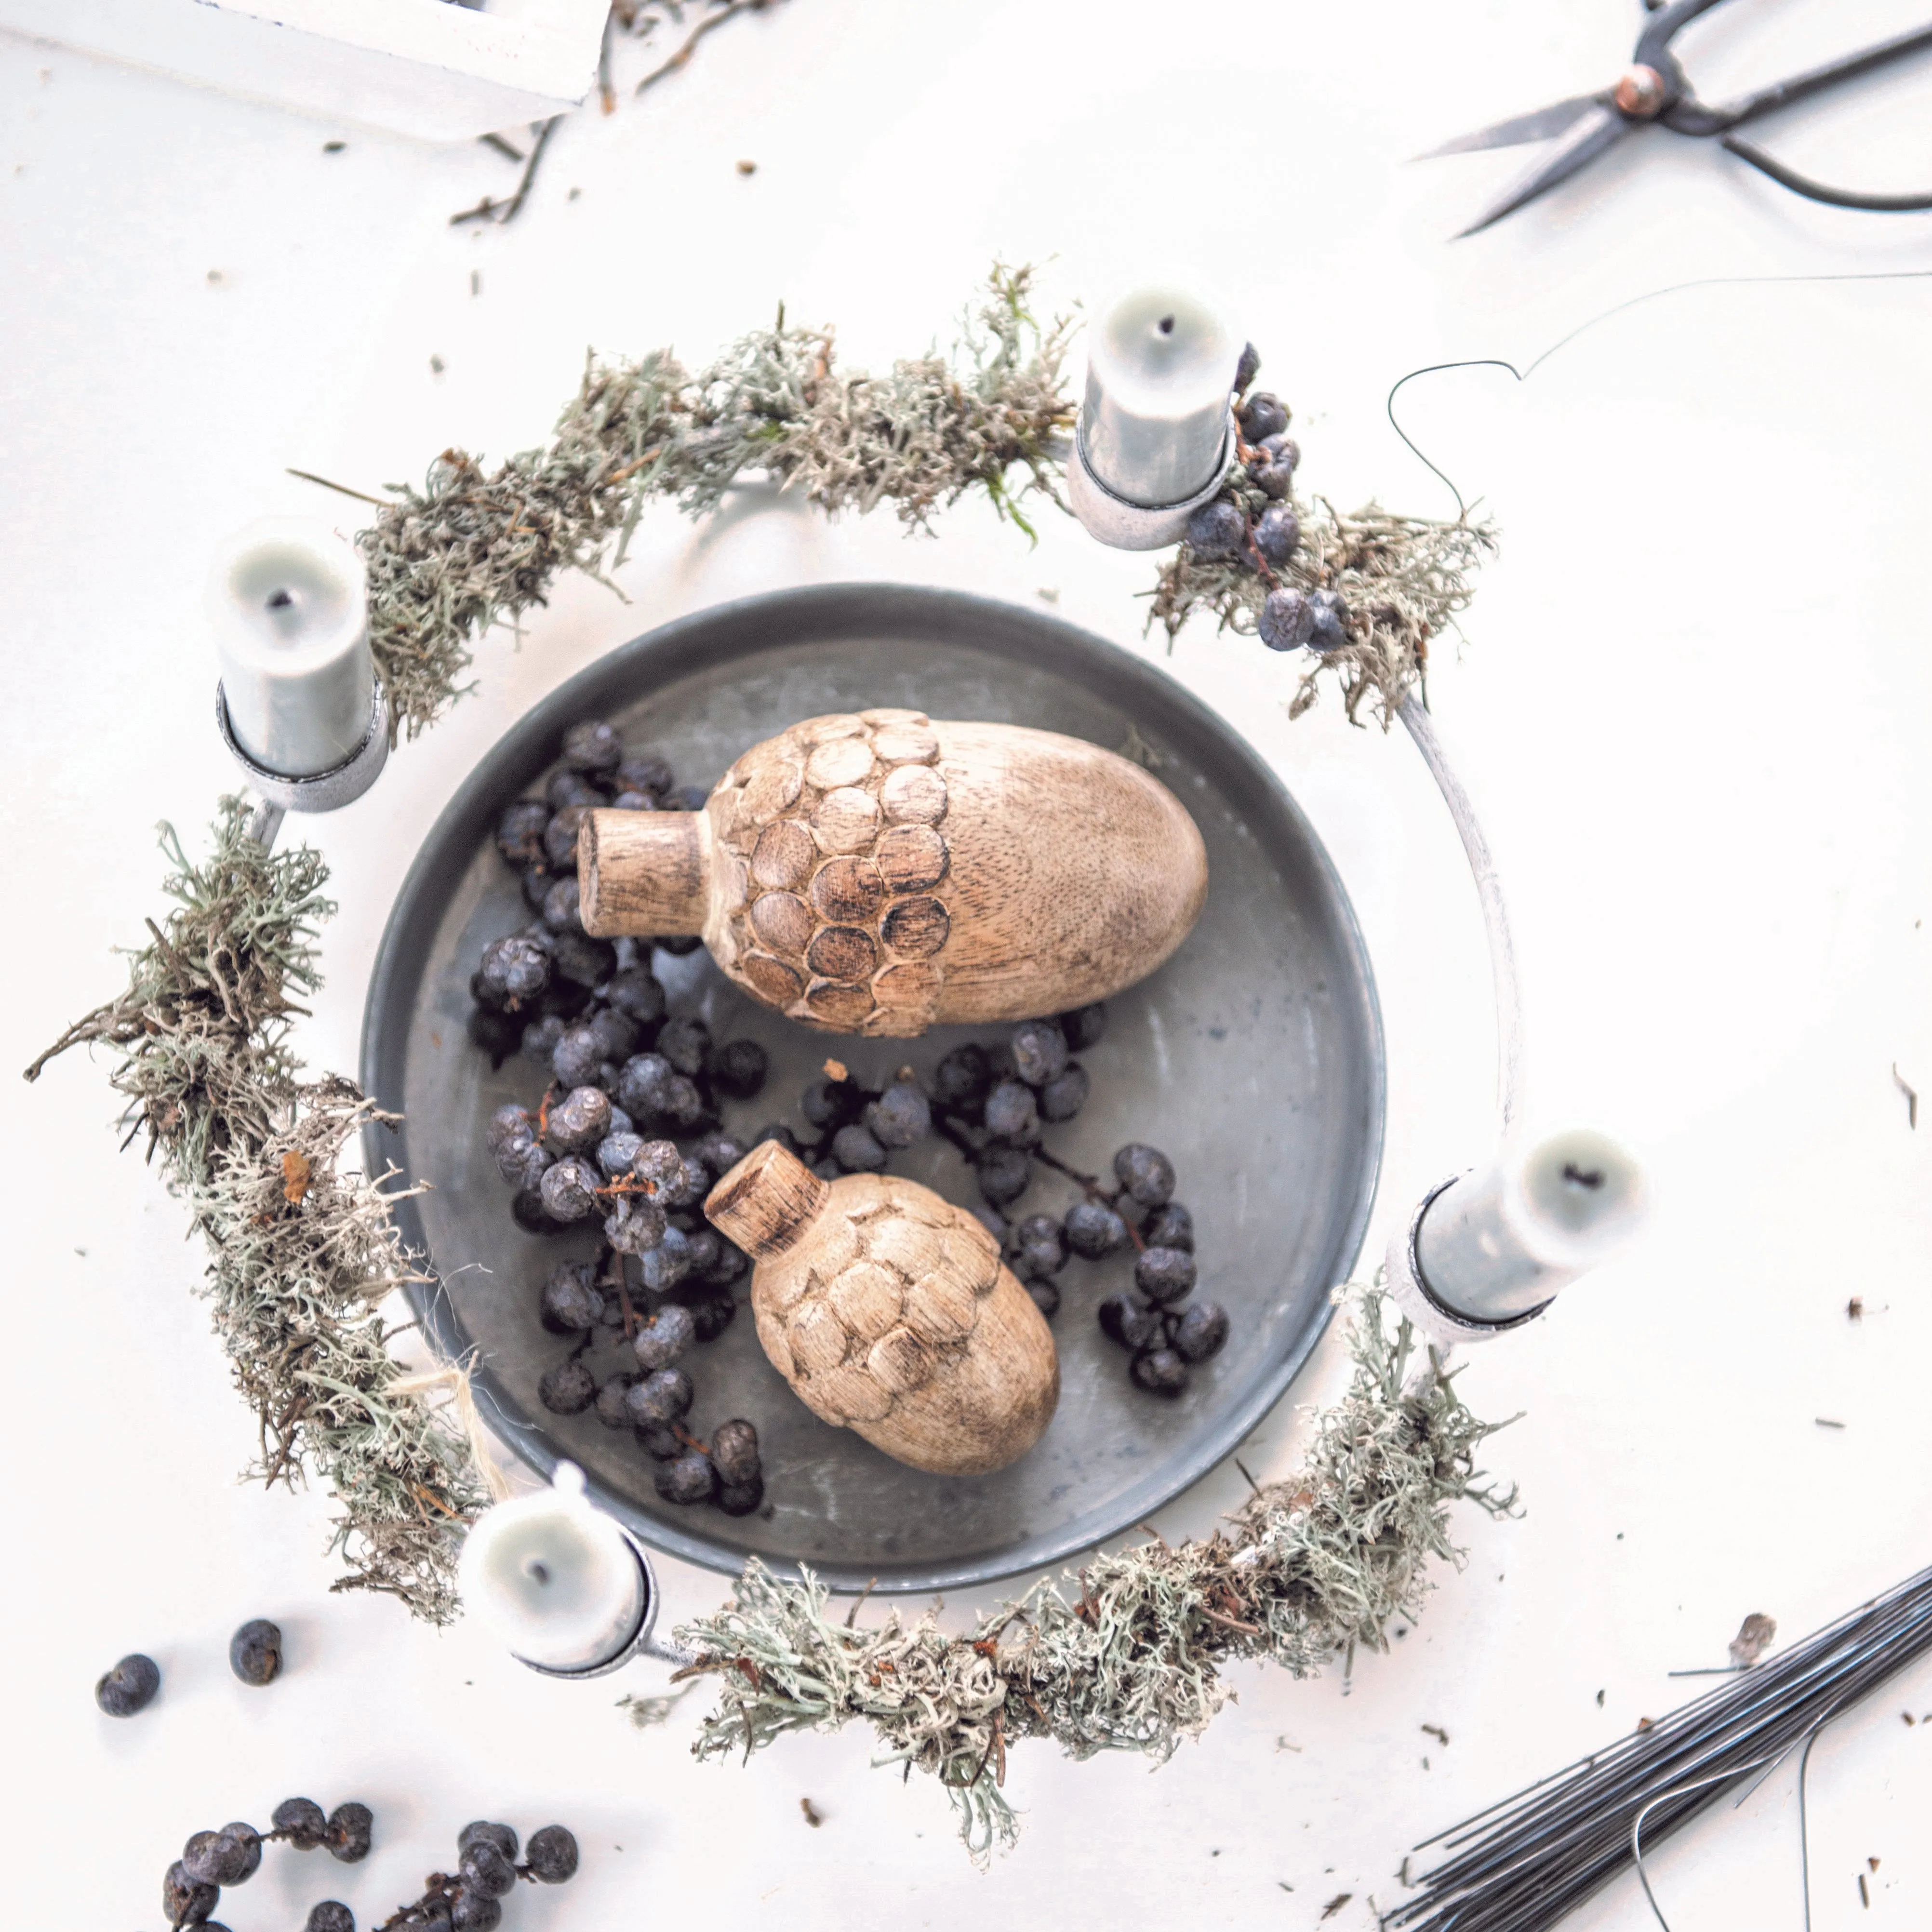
{"points": [[323, 791], [643, 1640]]}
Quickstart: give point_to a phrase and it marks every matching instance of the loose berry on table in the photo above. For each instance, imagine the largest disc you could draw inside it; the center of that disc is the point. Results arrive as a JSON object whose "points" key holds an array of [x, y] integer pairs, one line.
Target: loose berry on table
{"points": [[552, 1856], [129, 1686], [255, 1652]]}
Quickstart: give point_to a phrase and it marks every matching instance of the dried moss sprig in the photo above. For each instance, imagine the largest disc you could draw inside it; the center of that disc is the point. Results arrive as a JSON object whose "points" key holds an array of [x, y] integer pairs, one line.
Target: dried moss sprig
{"points": [[1310, 1570], [301, 1253], [1404, 579], [471, 549]]}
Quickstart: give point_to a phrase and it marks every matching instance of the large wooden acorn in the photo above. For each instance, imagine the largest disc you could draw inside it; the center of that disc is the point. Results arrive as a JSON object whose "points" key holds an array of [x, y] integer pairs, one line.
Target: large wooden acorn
{"points": [[877, 872], [888, 1311]]}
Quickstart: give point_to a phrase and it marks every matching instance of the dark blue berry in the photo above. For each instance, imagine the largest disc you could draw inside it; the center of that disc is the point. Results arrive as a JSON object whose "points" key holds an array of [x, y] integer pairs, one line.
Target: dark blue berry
{"points": [[565, 787], [661, 1342], [731, 1262], [572, 1302], [578, 1056], [1278, 534], [664, 1396], [569, 1188], [644, 1086], [1262, 415], [1127, 1320], [562, 910], [540, 1040], [1004, 1173], [211, 1858], [1066, 1093], [498, 1034], [992, 1220], [474, 1911], [568, 1389], [1146, 1173], [584, 962], [527, 1210], [183, 1901], [514, 971], [719, 1152], [616, 1151], [661, 1441], [300, 1822], [1040, 1052], [485, 1869], [1038, 1247], [349, 1826], [1331, 620], [635, 1225], [617, 1034], [520, 831], [900, 1116], [1281, 449], [734, 1450], [552, 1856], [1272, 479], [828, 1105], [580, 1120], [685, 1043], [506, 1122], [255, 1654], [687, 798], [1045, 1297], [1084, 1026], [331, 1915], [1169, 1226], [738, 1068], [129, 1686], [1159, 1371], [962, 1076], [1217, 530], [712, 1312], [857, 1151], [741, 1499], [776, 1130], [1198, 1331], [690, 1479], [1094, 1230], [560, 837], [612, 1410], [487, 1831], [1164, 1274], [1287, 620], [641, 771], [638, 995], [1012, 1114], [536, 884], [663, 1266], [593, 747]]}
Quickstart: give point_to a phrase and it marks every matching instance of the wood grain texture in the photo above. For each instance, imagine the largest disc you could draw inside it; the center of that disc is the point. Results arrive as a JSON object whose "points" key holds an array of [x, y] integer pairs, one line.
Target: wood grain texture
{"points": [[879, 871], [888, 1312], [643, 872]]}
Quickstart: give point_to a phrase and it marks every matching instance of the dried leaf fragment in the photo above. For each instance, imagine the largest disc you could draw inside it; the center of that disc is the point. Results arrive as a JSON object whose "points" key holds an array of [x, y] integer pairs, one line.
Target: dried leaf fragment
{"points": [[295, 1176]]}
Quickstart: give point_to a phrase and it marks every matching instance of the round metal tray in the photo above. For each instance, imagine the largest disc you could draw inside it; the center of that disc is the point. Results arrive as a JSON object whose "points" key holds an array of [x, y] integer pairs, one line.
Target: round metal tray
{"points": [[1254, 1057]]}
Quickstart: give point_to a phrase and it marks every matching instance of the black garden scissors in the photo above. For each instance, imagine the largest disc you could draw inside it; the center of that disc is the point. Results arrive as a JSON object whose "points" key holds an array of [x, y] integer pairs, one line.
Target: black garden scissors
{"points": [[1654, 88]]}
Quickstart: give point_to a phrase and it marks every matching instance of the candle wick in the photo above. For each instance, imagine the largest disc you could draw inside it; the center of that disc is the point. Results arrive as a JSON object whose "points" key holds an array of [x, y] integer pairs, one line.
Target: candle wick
{"points": [[537, 1572], [1590, 1178], [1166, 324], [281, 601]]}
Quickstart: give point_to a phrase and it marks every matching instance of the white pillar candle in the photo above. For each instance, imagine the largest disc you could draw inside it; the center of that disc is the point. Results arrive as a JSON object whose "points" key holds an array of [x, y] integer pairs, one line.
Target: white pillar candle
{"points": [[554, 1577], [1502, 1241], [1160, 374], [288, 603]]}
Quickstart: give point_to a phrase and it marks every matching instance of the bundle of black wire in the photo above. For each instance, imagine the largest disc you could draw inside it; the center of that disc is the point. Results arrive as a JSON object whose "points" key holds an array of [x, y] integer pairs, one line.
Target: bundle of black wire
{"points": [[1523, 1863]]}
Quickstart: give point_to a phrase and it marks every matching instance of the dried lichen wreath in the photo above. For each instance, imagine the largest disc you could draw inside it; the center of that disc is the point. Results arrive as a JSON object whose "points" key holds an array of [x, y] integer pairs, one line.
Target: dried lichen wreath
{"points": [[303, 1252]]}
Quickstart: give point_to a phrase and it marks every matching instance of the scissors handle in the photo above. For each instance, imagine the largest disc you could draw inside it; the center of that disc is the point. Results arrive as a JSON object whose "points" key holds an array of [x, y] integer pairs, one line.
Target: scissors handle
{"points": [[1692, 117], [1653, 45]]}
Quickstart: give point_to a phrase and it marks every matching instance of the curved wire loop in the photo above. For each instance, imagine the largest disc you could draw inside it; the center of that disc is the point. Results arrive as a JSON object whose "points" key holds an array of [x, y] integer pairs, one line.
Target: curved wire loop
{"points": [[1816, 190]]}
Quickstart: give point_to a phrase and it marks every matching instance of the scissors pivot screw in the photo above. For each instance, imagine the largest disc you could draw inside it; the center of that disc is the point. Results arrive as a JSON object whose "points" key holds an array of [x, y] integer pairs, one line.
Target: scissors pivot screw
{"points": [[1641, 92]]}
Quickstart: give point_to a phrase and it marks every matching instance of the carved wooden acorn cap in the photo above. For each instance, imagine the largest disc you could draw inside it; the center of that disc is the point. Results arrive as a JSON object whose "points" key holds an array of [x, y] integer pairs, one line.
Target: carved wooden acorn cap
{"points": [[888, 1311], [877, 871]]}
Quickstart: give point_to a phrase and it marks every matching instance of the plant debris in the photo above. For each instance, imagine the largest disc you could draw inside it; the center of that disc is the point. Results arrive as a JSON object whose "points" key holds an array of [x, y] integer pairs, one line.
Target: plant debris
{"points": [[302, 1252], [472, 548], [1753, 1639], [1310, 1569]]}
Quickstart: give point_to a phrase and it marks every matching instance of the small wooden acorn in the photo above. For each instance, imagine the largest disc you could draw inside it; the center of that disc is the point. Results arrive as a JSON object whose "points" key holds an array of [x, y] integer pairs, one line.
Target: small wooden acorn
{"points": [[888, 1312], [878, 872]]}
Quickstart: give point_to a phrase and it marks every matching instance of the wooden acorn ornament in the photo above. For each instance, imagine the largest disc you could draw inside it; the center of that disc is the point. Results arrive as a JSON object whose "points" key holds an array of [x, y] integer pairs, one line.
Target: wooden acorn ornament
{"points": [[888, 1311], [878, 872]]}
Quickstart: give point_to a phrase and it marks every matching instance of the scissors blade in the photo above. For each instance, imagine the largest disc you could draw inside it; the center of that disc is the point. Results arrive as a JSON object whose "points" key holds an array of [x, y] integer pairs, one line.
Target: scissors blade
{"points": [[1541, 126], [1602, 127]]}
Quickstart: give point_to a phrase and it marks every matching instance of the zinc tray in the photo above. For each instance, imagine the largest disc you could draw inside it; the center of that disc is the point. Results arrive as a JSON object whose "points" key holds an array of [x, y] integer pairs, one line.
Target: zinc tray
{"points": [[1253, 1057]]}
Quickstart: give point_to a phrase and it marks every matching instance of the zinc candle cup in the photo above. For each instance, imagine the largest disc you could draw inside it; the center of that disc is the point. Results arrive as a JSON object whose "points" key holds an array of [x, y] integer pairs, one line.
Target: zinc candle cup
{"points": [[556, 1578], [288, 606], [1501, 1241], [1160, 373]]}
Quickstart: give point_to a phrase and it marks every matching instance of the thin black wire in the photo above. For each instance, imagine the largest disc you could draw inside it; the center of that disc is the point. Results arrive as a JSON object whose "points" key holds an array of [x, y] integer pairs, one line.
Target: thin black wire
{"points": [[1523, 374]]}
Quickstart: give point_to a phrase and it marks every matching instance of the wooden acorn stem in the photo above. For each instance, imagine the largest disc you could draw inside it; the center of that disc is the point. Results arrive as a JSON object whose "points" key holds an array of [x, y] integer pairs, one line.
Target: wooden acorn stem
{"points": [[644, 873], [767, 1201]]}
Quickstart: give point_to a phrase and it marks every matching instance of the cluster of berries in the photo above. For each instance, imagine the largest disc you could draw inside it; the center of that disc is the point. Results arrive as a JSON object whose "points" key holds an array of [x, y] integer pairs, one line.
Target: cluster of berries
{"points": [[994, 1107], [211, 1860], [254, 1655], [470, 1899], [1256, 529], [627, 1083]]}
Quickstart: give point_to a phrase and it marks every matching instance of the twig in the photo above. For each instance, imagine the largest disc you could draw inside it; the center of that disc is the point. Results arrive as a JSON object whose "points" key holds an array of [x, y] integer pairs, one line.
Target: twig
{"points": [[697, 34], [342, 489]]}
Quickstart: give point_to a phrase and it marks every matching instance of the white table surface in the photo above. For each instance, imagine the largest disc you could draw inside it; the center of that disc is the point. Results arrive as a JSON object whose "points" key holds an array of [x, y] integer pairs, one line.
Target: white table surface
{"points": [[1693, 707]]}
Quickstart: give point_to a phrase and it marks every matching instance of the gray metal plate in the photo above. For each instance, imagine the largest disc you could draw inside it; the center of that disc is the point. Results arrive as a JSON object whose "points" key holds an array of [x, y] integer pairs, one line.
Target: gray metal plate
{"points": [[1254, 1057]]}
